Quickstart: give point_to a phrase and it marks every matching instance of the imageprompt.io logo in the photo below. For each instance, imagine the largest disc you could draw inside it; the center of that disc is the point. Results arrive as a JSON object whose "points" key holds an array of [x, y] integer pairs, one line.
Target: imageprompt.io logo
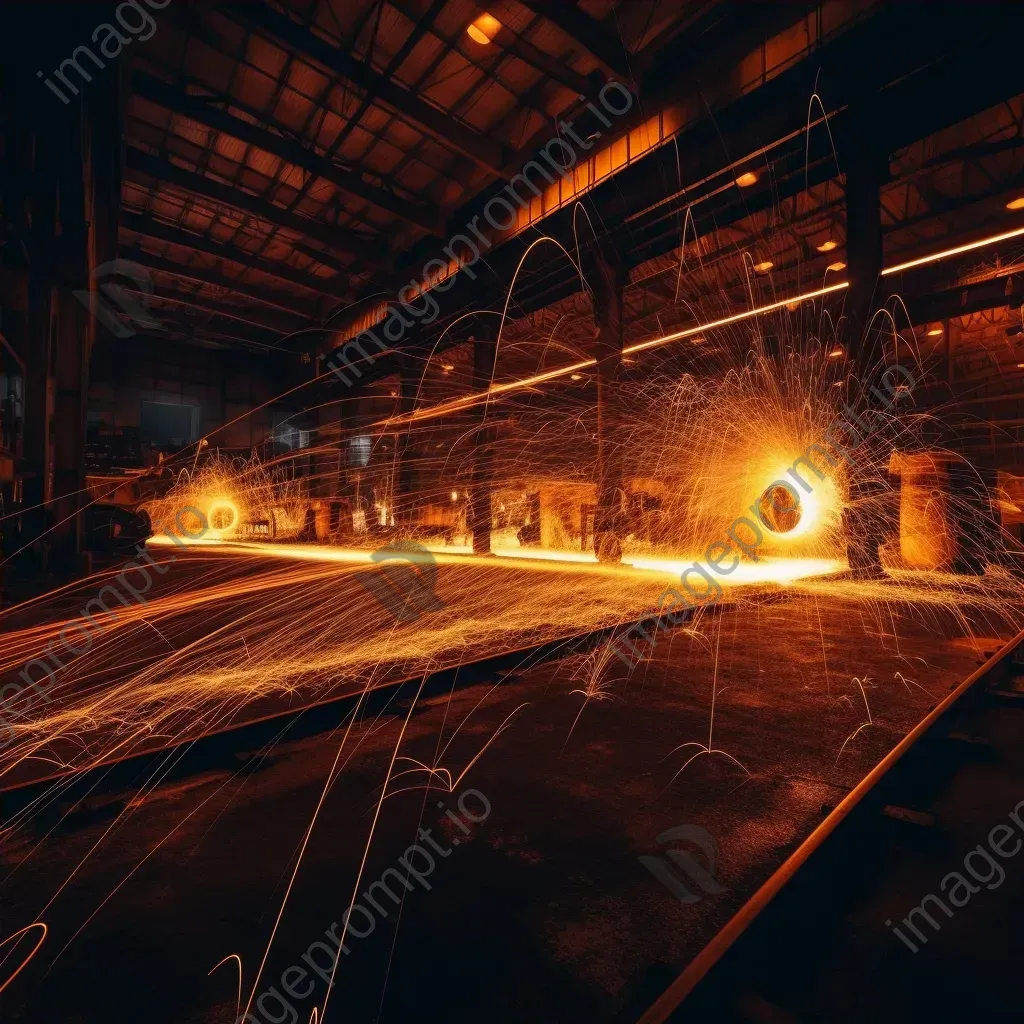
{"points": [[682, 873], [406, 591], [115, 307]]}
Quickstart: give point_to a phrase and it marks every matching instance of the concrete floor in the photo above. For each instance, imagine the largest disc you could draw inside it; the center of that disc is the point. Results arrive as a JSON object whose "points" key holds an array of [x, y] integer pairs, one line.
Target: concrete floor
{"points": [[543, 910]]}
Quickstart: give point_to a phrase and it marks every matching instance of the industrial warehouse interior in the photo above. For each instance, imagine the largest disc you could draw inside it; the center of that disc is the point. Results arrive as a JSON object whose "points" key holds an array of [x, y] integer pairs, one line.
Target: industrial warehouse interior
{"points": [[511, 512]]}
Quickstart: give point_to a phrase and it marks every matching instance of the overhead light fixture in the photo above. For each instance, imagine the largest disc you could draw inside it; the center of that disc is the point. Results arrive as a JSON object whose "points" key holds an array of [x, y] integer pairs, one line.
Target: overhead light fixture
{"points": [[484, 29], [764, 266], [827, 246], [838, 384], [1016, 204], [837, 266], [576, 376], [1020, 366], [455, 495], [837, 352], [447, 367], [747, 179], [934, 332]]}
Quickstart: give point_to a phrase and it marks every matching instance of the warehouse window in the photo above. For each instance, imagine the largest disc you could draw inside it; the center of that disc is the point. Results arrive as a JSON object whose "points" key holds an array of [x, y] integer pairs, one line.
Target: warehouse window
{"points": [[168, 423], [359, 450], [292, 437]]}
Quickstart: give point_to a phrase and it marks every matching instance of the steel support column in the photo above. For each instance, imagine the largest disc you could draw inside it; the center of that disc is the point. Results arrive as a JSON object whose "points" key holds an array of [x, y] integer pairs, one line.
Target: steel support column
{"points": [[607, 278], [406, 475], [39, 343], [867, 167], [484, 353]]}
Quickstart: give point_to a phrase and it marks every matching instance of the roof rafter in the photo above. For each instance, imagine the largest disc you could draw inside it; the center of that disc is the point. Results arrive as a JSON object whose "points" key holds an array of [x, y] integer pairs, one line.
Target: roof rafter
{"points": [[207, 275], [483, 150], [151, 228], [590, 34], [138, 162], [202, 110], [204, 304], [188, 330]]}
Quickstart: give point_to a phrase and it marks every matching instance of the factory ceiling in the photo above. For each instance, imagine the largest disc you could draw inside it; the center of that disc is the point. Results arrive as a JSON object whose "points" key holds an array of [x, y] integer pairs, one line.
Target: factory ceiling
{"points": [[284, 158], [287, 167]]}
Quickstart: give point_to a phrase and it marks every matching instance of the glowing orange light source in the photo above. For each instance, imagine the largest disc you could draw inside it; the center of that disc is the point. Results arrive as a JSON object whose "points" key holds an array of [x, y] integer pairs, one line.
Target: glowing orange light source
{"points": [[1020, 366], [222, 516], [455, 495], [827, 246], [447, 367], [747, 179], [838, 265], [836, 353], [484, 29], [764, 266], [1016, 204], [934, 332], [576, 376]]}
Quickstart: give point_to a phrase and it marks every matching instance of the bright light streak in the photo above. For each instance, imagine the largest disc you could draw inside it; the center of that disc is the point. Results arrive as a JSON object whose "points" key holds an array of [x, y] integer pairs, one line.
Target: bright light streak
{"points": [[966, 247], [767, 570]]}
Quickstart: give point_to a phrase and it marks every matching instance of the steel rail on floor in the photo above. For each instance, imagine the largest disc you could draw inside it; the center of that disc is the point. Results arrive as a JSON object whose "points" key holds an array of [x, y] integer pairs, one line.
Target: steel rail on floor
{"points": [[718, 979]]}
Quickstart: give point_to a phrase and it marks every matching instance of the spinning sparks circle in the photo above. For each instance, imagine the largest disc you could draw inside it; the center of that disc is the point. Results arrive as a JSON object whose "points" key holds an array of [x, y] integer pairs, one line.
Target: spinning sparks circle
{"points": [[222, 516]]}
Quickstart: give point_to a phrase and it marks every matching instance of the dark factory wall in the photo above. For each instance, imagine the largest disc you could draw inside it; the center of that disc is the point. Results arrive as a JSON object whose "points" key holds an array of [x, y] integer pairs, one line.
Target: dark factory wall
{"points": [[128, 374]]}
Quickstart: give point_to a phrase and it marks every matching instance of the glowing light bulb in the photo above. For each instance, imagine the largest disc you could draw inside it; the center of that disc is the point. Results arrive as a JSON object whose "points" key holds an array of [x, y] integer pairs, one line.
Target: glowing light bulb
{"points": [[764, 266], [747, 179], [827, 246], [484, 29]]}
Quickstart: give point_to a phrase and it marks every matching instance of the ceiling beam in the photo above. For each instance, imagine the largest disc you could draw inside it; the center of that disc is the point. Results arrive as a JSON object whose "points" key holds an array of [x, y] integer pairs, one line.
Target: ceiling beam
{"points": [[553, 68], [203, 110], [484, 151], [966, 299], [138, 162], [585, 30], [269, 332], [190, 331], [151, 228], [209, 275]]}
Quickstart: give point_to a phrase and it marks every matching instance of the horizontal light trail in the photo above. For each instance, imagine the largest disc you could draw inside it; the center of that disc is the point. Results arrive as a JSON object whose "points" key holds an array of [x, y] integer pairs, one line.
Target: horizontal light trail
{"points": [[935, 257], [775, 570]]}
